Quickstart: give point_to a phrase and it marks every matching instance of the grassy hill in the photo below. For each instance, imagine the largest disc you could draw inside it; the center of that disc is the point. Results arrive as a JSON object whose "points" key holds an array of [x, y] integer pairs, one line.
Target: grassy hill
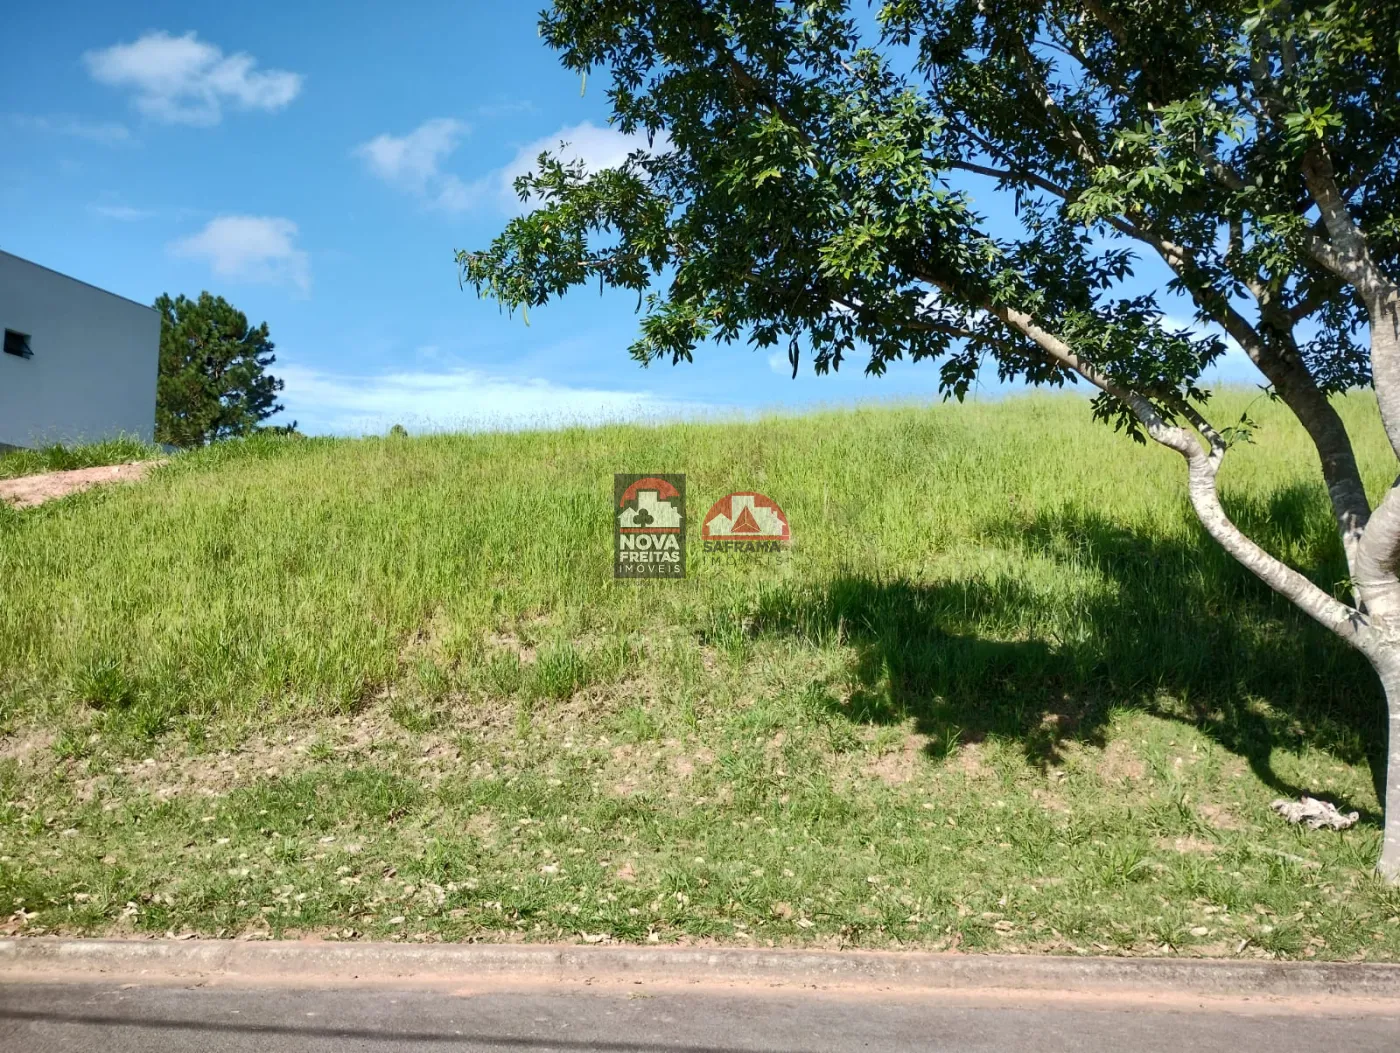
{"points": [[1001, 693]]}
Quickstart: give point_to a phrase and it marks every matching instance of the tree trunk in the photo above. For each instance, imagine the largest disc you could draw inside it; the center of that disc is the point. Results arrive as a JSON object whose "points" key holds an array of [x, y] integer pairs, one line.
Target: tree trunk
{"points": [[1329, 437], [1387, 663], [1383, 310]]}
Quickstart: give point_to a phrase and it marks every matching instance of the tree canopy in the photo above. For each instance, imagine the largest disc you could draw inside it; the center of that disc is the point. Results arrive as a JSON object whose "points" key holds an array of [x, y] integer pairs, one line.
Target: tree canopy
{"points": [[814, 181], [213, 380], [805, 186]]}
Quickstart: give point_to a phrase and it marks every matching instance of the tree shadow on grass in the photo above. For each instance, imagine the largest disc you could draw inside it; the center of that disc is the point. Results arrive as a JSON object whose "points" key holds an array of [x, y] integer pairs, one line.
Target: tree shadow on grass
{"points": [[1088, 616]]}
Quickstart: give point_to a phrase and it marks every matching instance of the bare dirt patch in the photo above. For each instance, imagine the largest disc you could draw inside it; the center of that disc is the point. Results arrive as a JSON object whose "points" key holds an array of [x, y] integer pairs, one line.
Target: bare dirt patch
{"points": [[969, 759], [26, 747], [169, 771], [30, 490], [1050, 801], [683, 765], [1219, 817], [482, 826], [899, 765], [1187, 845], [512, 644], [1120, 764]]}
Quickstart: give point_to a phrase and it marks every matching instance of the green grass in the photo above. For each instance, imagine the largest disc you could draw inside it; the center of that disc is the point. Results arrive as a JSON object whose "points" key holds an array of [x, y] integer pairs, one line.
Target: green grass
{"points": [[1001, 694], [59, 458]]}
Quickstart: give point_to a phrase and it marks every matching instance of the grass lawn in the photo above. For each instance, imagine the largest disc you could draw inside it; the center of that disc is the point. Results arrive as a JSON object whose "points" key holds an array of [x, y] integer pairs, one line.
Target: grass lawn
{"points": [[1001, 694]]}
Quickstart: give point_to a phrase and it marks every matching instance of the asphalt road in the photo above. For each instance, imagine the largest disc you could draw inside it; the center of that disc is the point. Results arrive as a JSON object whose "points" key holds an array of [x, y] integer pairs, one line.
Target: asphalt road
{"points": [[571, 1018]]}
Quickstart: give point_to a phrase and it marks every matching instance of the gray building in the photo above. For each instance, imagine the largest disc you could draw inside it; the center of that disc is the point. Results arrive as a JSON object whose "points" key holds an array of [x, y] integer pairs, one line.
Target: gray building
{"points": [[79, 363]]}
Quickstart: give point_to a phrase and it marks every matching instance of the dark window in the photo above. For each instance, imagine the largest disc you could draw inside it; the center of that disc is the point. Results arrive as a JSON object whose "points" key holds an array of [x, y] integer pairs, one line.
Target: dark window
{"points": [[17, 344]]}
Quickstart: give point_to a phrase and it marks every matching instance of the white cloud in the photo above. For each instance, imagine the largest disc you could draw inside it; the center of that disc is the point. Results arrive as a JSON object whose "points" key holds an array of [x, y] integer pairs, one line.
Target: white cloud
{"points": [[513, 108], [1233, 367], [184, 80], [108, 133], [124, 213], [459, 400], [414, 162], [598, 148], [258, 249]]}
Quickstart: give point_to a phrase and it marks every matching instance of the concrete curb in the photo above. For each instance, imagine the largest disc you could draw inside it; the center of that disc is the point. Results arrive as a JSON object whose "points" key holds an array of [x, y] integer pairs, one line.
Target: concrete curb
{"points": [[318, 964]]}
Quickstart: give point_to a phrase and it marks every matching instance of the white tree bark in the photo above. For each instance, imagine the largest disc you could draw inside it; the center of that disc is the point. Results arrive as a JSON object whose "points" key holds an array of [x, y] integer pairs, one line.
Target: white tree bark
{"points": [[1389, 865], [1344, 251], [1388, 667]]}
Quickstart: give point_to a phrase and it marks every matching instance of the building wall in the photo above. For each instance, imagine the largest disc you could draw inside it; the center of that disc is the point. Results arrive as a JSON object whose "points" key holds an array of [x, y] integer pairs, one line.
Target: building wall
{"points": [[96, 356]]}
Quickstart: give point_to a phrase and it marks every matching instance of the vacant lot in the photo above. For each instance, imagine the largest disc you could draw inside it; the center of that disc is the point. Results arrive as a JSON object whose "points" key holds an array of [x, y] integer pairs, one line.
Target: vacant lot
{"points": [[1001, 694]]}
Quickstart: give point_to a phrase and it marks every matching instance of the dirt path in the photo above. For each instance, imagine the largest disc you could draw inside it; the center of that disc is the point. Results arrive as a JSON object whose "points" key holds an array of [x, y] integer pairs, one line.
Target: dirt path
{"points": [[30, 490]]}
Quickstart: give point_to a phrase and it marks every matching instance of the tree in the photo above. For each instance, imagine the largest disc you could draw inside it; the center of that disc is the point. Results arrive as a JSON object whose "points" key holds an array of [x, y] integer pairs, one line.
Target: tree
{"points": [[810, 181], [213, 382]]}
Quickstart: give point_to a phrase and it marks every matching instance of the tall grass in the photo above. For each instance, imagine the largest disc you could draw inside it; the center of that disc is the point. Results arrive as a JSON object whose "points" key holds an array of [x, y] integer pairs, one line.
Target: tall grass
{"points": [[60, 458], [1015, 540]]}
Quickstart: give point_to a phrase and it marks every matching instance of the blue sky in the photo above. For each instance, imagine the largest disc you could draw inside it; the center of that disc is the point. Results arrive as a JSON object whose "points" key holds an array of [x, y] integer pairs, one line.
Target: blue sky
{"points": [[318, 165]]}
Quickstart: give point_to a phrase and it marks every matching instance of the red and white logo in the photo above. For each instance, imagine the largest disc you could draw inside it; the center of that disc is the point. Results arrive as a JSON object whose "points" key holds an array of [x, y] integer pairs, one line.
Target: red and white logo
{"points": [[745, 522], [649, 526]]}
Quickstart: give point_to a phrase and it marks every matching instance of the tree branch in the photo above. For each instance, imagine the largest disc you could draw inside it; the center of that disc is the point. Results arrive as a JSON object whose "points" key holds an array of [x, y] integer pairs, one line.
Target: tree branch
{"points": [[1007, 175], [1314, 300], [1041, 91], [1345, 252], [1202, 469]]}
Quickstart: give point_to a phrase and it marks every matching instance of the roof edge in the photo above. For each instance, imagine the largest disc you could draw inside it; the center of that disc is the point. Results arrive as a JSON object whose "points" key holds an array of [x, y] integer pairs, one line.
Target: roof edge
{"points": [[80, 281]]}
